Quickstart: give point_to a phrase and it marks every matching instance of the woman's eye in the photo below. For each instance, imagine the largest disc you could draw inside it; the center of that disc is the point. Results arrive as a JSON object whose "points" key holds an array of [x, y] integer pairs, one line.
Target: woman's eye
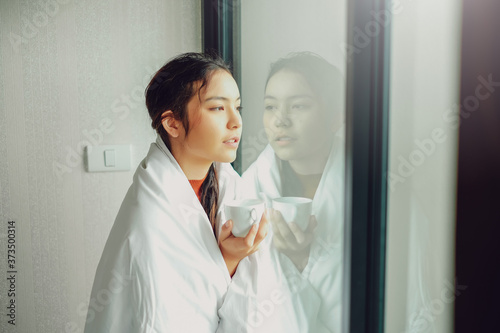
{"points": [[270, 108], [300, 106], [218, 108], [239, 108]]}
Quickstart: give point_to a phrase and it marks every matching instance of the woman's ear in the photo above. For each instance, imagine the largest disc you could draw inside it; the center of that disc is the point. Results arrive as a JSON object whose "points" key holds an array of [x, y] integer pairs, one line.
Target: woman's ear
{"points": [[170, 124]]}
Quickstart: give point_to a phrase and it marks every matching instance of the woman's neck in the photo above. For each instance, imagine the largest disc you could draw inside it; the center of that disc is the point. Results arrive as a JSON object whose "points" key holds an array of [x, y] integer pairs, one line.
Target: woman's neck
{"points": [[312, 165], [309, 184], [194, 168], [309, 166]]}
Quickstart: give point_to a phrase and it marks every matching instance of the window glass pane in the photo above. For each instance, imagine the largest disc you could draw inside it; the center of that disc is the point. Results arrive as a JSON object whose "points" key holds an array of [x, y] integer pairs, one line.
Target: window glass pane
{"points": [[293, 85], [424, 99]]}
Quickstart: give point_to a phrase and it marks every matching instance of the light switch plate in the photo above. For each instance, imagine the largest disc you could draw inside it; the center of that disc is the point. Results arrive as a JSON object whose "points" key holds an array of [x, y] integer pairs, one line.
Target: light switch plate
{"points": [[107, 158]]}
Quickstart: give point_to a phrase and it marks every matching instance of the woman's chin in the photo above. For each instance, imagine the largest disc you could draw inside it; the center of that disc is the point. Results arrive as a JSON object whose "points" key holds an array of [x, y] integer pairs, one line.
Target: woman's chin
{"points": [[227, 159], [284, 153]]}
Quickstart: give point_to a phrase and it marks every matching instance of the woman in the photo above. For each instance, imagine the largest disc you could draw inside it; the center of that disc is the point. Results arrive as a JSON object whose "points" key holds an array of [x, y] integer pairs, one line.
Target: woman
{"points": [[168, 261], [303, 120]]}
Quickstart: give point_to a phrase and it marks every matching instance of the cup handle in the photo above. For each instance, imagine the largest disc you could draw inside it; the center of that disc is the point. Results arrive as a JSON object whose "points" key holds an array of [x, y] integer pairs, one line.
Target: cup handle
{"points": [[253, 215]]}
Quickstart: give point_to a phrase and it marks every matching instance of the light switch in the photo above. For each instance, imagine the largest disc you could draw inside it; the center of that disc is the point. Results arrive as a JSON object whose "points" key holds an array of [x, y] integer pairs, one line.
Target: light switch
{"points": [[109, 158]]}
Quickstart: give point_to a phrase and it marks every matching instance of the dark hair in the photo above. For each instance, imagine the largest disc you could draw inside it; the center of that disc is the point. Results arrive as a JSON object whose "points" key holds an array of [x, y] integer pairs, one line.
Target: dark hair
{"points": [[324, 78], [327, 82], [171, 88]]}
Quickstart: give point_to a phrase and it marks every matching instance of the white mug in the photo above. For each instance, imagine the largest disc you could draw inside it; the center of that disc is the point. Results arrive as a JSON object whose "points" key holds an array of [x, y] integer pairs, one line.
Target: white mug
{"points": [[294, 209], [244, 214]]}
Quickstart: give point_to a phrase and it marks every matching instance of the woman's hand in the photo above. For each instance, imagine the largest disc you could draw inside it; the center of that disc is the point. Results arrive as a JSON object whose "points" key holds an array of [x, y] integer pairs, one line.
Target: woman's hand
{"points": [[234, 249], [289, 239]]}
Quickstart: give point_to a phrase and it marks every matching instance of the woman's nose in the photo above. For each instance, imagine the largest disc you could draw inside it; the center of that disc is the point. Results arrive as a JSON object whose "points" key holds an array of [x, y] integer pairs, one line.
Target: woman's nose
{"points": [[234, 119], [282, 119]]}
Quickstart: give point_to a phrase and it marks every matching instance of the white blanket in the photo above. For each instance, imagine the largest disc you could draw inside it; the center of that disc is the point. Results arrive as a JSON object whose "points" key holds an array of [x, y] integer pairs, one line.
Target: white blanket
{"points": [[263, 299], [161, 269], [323, 273]]}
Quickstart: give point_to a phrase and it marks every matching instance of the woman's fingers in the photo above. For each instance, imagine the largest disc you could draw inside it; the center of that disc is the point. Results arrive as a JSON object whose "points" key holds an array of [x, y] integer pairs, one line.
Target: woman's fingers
{"points": [[263, 229], [250, 237], [272, 220], [283, 227], [265, 214], [239, 247], [304, 236], [257, 233], [226, 231], [279, 242], [299, 235], [290, 237], [313, 223]]}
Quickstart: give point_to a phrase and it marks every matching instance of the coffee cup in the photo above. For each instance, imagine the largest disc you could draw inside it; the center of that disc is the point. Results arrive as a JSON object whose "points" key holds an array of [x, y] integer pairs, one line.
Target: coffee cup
{"points": [[294, 209], [244, 214]]}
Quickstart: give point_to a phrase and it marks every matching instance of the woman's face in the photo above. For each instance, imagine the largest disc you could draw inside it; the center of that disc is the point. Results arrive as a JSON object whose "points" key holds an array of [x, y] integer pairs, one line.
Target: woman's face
{"points": [[294, 118], [214, 121]]}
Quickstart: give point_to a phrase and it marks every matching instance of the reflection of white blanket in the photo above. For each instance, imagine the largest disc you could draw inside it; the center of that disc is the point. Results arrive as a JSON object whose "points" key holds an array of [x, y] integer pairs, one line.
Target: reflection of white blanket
{"points": [[161, 269], [323, 272]]}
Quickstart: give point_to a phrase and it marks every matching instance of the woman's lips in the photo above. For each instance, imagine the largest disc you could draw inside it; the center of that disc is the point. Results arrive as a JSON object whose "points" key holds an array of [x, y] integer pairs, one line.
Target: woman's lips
{"points": [[284, 140], [233, 142]]}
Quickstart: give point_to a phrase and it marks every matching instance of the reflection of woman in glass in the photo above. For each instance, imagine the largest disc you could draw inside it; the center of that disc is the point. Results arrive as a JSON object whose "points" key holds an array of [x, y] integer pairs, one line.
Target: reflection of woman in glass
{"points": [[303, 120], [167, 264]]}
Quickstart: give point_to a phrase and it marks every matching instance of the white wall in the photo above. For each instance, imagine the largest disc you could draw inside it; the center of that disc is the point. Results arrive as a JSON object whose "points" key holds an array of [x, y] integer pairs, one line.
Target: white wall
{"points": [[65, 70], [421, 222], [269, 31]]}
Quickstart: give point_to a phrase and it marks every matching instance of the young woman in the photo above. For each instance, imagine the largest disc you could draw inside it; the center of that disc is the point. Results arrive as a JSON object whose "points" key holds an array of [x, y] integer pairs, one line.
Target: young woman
{"points": [[303, 120], [168, 261]]}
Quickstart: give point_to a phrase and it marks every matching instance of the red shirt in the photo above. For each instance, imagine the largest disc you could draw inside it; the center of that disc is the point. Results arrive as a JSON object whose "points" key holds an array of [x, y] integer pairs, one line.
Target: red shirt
{"points": [[196, 185]]}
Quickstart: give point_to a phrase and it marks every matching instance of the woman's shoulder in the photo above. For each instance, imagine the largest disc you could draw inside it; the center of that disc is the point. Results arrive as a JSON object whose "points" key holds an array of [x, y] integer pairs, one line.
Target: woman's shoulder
{"points": [[156, 196], [159, 172]]}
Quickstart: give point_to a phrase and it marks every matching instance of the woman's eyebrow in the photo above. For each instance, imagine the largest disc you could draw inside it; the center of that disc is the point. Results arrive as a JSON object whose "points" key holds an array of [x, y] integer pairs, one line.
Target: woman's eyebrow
{"points": [[220, 98], [301, 96], [290, 97]]}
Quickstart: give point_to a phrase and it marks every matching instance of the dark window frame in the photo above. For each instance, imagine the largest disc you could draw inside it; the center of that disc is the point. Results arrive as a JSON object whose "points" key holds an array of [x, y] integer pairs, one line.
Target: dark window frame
{"points": [[367, 137]]}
